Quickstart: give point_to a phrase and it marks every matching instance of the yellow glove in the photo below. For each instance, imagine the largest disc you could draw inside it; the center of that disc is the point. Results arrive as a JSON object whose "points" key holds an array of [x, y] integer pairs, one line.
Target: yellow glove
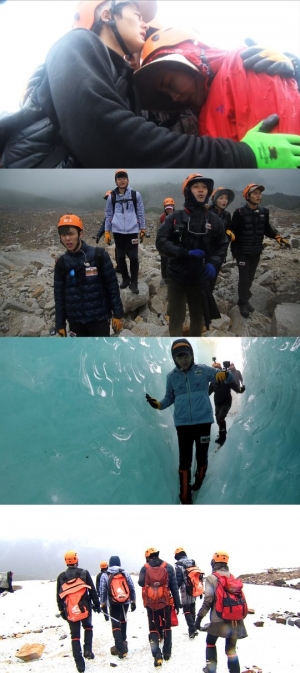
{"points": [[142, 234], [155, 404], [62, 332], [117, 324], [107, 236], [282, 241], [231, 234], [221, 377]]}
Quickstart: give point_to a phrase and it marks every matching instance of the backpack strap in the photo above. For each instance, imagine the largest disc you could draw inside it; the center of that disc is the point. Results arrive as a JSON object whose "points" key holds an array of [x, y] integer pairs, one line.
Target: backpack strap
{"points": [[133, 199]]}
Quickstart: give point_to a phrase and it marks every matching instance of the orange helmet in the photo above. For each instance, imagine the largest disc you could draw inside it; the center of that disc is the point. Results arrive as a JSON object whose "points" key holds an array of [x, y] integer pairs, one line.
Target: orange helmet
{"points": [[71, 558], [217, 365], [85, 11], [250, 188], [221, 557], [106, 195], [103, 564], [150, 551], [169, 202], [165, 37], [197, 177], [120, 172], [178, 550], [70, 220], [219, 191]]}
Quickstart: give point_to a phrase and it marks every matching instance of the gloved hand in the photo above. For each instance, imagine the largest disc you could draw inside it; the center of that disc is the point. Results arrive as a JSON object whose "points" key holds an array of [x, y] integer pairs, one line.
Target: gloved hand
{"points": [[142, 234], [197, 253], [96, 608], [103, 607], [230, 234], [282, 241], [242, 389], [177, 608], [97, 239], [198, 622], [280, 150], [259, 59], [63, 615], [210, 271], [155, 404], [62, 332], [133, 606], [117, 324], [221, 377], [107, 236]]}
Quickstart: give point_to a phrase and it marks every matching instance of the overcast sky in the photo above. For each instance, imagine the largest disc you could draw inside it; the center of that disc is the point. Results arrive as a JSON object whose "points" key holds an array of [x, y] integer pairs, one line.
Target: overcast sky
{"points": [[28, 30], [255, 537], [60, 183]]}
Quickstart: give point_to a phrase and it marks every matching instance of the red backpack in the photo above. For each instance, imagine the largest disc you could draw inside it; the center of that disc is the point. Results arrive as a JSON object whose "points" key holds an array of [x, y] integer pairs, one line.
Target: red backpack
{"points": [[156, 592], [194, 581], [230, 602], [74, 594], [118, 589]]}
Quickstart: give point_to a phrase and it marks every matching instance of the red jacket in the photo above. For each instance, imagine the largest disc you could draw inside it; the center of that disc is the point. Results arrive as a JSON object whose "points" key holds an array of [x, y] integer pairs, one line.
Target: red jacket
{"points": [[239, 99]]}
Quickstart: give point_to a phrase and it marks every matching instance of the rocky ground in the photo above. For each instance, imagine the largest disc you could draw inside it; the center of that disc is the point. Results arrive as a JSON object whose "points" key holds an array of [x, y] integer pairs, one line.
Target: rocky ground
{"points": [[276, 577], [29, 247]]}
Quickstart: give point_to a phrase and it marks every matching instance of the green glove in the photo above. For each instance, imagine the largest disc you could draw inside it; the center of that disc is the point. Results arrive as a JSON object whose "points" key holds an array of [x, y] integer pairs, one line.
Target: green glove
{"points": [[280, 150]]}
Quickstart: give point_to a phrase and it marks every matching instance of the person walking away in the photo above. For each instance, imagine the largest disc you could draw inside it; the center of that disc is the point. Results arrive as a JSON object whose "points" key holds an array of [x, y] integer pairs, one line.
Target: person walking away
{"points": [[189, 579], [117, 591]]}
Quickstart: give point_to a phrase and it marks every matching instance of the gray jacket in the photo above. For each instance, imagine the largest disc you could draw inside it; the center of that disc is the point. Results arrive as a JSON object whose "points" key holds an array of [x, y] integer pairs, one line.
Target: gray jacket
{"points": [[219, 627]]}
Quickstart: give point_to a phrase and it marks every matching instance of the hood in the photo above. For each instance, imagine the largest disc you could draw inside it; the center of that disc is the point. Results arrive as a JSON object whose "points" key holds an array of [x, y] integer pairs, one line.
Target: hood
{"points": [[114, 561]]}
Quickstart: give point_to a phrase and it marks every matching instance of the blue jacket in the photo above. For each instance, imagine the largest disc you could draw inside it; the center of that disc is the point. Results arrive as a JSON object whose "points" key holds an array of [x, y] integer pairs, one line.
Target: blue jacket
{"points": [[188, 391], [81, 298], [125, 220], [113, 570], [181, 576]]}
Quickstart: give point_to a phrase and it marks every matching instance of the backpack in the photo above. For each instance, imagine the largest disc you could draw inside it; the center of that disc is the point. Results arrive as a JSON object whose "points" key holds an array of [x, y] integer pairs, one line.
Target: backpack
{"points": [[98, 263], [230, 603], [118, 589], [132, 198], [156, 592], [194, 581], [75, 597]]}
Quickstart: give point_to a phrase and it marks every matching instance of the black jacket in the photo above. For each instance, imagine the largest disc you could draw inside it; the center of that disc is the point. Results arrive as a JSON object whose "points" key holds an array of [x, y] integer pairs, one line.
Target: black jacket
{"points": [[174, 240], [224, 215], [250, 226], [88, 95], [71, 573], [222, 392], [81, 298], [172, 579]]}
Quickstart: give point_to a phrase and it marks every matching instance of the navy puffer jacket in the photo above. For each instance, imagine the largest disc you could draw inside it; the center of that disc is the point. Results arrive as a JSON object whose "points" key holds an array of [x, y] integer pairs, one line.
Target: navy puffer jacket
{"points": [[250, 226], [81, 298]]}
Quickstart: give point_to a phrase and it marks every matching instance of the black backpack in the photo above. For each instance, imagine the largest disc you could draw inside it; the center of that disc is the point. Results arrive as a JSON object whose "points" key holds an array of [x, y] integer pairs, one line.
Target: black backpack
{"points": [[132, 198]]}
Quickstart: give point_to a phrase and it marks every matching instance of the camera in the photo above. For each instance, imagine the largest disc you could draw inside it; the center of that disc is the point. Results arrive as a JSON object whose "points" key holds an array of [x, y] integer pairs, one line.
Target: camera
{"points": [[226, 364]]}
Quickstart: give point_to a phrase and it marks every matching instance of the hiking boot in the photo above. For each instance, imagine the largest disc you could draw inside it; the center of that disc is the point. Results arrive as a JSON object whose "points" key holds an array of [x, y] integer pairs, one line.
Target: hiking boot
{"points": [[122, 655], [134, 288], [125, 283], [80, 665], [250, 307], [244, 310], [114, 651], [193, 634], [125, 643], [88, 654], [167, 656], [158, 661], [199, 478]]}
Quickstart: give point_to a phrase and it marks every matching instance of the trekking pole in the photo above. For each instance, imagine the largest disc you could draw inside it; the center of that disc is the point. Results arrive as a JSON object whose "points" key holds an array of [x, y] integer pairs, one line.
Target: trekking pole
{"points": [[114, 620]]}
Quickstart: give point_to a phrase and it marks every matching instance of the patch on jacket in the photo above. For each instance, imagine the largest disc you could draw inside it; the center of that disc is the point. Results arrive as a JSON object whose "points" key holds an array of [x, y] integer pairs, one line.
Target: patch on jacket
{"points": [[198, 371], [91, 271]]}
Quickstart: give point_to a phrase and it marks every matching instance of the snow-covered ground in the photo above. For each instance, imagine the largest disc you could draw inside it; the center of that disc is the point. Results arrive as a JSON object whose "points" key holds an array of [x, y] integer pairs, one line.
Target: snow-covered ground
{"points": [[274, 648]]}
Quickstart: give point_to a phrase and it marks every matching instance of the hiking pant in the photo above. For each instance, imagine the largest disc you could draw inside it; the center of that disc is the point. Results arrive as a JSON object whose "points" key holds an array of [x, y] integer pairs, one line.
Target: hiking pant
{"points": [[211, 654], [221, 411], [128, 244], [75, 637], [163, 266], [180, 295], [160, 627], [189, 611], [247, 266], [92, 328], [187, 435], [119, 630]]}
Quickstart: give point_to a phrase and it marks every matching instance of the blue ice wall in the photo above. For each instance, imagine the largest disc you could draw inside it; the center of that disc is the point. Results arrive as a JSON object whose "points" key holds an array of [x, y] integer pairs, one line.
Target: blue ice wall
{"points": [[76, 428]]}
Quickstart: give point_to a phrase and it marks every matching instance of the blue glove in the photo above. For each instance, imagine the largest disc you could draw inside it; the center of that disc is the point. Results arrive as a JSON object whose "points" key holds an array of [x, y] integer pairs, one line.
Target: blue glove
{"points": [[197, 253], [210, 271]]}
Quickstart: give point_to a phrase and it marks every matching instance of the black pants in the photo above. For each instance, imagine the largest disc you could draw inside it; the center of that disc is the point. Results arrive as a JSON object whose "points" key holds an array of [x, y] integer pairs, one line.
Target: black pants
{"points": [[221, 411], [75, 637], [189, 611], [93, 328], [163, 266], [128, 244], [119, 629], [247, 266], [180, 295], [160, 627], [187, 435], [211, 654]]}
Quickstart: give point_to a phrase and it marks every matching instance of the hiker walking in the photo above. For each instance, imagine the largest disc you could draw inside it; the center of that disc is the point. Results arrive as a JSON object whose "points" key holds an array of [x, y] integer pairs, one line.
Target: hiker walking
{"points": [[187, 388], [158, 581], [195, 243], [103, 569], [76, 597], [236, 374], [86, 289], [223, 401], [189, 579], [125, 218], [169, 207], [249, 225], [231, 625], [117, 592]]}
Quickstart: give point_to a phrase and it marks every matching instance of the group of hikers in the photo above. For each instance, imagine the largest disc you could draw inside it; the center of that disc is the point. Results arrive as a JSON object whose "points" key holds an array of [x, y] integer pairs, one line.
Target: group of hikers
{"points": [[118, 86], [193, 244], [164, 592]]}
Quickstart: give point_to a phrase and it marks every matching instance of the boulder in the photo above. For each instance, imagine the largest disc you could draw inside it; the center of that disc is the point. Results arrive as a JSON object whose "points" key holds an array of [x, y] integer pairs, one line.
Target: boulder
{"points": [[286, 320], [30, 652]]}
